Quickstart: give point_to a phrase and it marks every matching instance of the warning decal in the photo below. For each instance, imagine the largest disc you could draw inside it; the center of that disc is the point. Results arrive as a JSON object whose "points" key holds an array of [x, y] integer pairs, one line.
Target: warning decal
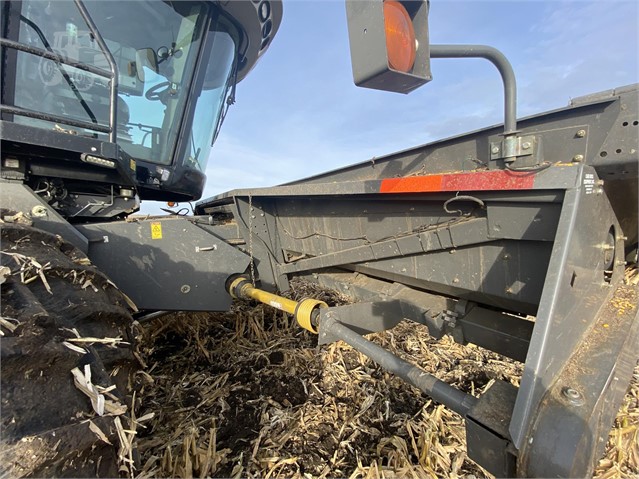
{"points": [[156, 231]]}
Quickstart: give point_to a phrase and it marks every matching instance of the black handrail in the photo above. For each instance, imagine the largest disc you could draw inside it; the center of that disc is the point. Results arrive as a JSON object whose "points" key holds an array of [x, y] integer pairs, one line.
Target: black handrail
{"points": [[112, 75], [113, 111], [15, 110], [55, 57]]}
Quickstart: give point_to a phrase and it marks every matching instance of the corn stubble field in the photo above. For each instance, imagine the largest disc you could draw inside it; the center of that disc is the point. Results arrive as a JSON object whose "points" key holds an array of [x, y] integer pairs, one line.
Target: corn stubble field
{"points": [[249, 394]]}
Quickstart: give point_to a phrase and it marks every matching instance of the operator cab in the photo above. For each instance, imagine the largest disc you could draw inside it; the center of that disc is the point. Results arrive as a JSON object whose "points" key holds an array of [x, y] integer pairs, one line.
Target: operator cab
{"points": [[175, 65]]}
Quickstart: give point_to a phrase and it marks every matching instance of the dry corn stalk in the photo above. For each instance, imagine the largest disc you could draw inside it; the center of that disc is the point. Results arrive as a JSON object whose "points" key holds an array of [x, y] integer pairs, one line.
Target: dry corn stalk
{"points": [[111, 342], [98, 432], [9, 323], [100, 404], [5, 272]]}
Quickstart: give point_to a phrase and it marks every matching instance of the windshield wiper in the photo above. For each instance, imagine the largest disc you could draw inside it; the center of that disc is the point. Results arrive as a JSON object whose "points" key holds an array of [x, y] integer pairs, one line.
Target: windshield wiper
{"points": [[65, 75]]}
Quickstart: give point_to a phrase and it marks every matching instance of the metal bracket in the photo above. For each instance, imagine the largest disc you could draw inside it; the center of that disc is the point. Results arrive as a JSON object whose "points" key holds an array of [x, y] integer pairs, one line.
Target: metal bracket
{"points": [[520, 150], [487, 436], [450, 317], [451, 320]]}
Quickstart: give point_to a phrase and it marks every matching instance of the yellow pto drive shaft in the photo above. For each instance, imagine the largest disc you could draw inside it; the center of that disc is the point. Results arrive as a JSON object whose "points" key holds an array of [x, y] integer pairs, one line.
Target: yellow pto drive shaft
{"points": [[304, 311]]}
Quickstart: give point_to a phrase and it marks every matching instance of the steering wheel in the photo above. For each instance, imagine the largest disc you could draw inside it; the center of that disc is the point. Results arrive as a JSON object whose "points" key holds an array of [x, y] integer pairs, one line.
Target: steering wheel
{"points": [[158, 92]]}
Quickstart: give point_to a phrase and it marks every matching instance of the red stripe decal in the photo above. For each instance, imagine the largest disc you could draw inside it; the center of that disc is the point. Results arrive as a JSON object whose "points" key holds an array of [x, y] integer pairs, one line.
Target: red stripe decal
{"points": [[476, 181]]}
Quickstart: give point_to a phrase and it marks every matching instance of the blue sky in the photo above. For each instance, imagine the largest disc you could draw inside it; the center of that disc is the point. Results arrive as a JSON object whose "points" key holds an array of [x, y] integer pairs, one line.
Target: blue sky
{"points": [[298, 112]]}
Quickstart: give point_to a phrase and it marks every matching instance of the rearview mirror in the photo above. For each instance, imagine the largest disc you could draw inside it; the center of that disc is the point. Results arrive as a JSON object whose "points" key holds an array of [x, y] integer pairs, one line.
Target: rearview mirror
{"points": [[145, 57]]}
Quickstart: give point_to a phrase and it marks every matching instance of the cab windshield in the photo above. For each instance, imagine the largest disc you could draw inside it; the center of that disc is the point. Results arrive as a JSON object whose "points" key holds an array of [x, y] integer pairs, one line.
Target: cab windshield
{"points": [[155, 46]]}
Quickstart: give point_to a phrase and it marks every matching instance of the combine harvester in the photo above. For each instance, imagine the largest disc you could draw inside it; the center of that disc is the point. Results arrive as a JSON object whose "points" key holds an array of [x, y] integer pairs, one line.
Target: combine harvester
{"points": [[514, 238]]}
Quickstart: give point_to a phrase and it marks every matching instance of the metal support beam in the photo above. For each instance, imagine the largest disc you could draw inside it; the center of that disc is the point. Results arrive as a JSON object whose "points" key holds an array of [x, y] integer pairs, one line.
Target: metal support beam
{"points": [[453, 398]]}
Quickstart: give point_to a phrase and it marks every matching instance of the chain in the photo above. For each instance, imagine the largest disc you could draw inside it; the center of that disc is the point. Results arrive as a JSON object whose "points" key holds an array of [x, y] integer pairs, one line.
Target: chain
{"points": [[250, 226]]}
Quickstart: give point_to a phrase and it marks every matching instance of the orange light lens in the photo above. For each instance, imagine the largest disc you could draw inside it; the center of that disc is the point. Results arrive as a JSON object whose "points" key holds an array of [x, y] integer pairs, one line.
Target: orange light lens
{"points": [[171, 204], [400, 36]]}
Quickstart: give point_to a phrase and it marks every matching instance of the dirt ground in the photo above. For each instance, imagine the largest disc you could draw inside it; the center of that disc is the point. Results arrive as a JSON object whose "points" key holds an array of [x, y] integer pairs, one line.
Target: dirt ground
{"points": [[249, 394]]}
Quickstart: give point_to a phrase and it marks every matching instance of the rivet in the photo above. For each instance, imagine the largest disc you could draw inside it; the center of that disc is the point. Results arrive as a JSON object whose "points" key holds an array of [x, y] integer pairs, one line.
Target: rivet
{"points": [[581, 133], [578, 158]]}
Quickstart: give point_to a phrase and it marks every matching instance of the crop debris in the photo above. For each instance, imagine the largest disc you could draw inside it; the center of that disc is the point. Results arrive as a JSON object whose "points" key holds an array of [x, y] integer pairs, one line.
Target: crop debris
{"points": [[248, 393]]}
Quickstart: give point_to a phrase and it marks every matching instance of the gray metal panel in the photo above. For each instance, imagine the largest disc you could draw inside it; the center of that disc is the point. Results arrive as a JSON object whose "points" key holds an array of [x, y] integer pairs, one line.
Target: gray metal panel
{"points": [[466, 232], [503, 274], [398, 237], [21, 198], [166, 264], [502, 333], [575, 284], [532, 222], [570, 430], [257, 223]]}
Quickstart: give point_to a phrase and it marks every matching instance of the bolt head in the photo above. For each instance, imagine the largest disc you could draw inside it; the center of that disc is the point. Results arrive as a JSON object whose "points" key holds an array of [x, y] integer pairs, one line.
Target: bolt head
{"points": [[526, 145], [578, 158], [581, 133], [39, 211], [573, 395], [495, 150]]}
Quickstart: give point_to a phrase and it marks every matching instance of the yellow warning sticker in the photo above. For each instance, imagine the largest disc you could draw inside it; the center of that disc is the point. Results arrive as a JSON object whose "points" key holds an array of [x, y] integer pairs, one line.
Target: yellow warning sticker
{"points": [[132, 164], [156, 230]]}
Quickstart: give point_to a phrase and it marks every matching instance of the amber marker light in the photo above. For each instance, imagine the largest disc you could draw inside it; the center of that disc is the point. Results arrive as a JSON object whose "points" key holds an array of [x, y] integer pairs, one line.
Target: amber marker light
{"points": [[171, 204], [400, 36]]}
